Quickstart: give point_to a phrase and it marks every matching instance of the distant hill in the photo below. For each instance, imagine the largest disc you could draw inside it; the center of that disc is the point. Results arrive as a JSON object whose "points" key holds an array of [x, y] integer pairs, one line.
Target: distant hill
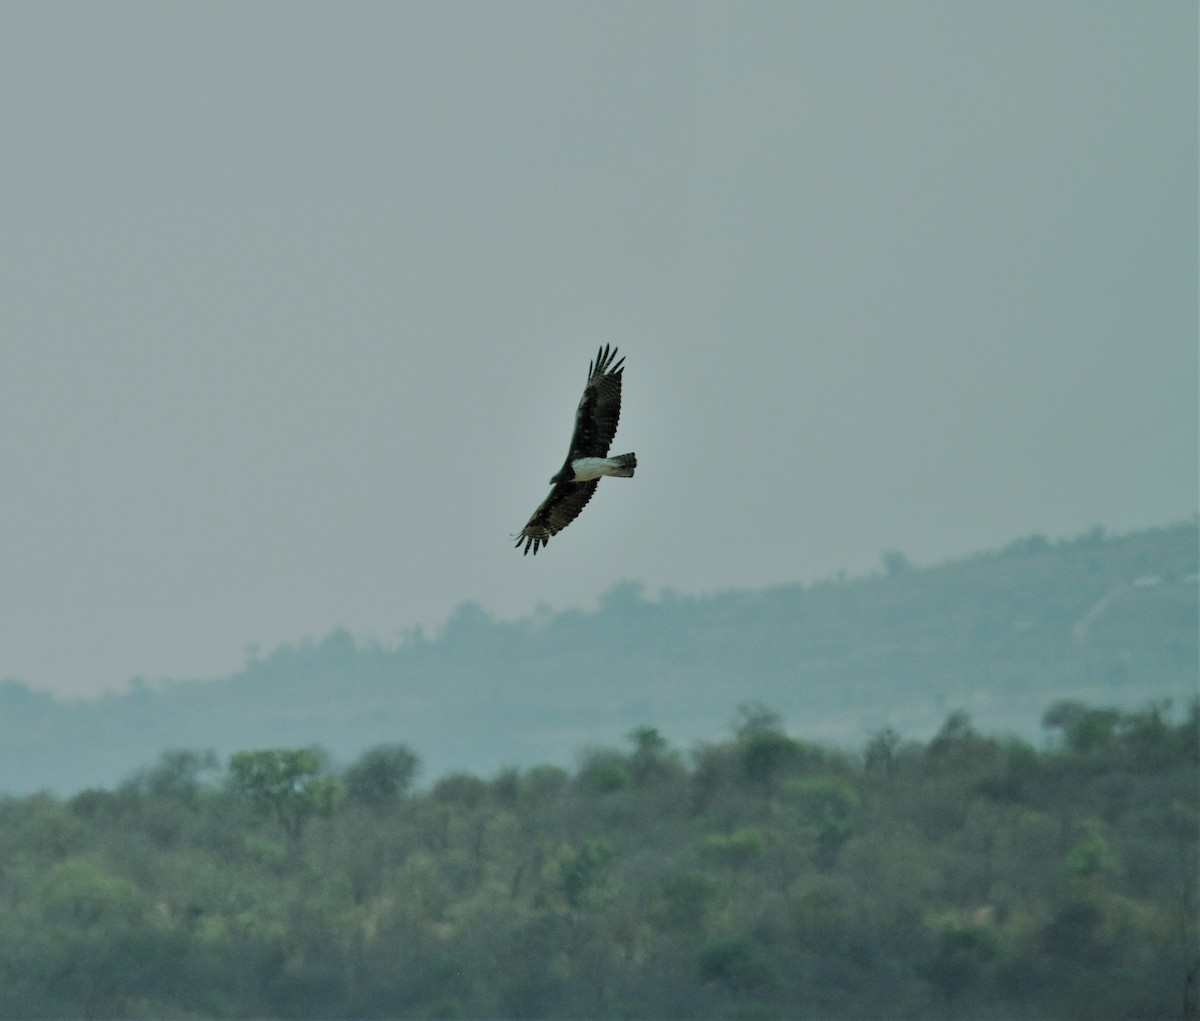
{"points": [[1001, 635]]}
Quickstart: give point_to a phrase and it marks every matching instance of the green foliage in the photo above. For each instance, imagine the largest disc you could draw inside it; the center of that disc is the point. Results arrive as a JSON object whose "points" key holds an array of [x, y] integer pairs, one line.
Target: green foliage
{"points": [[833, 832], [264, 849], [180, 775], [460, 789], [818, 795], [738, 963], [957, 738], [1091, 856], [686, 897], [764, 755], [581, 873], [960, 956], [883, 751], [605, 773], [544, 784], [1084, 730], [735, 849], [79, 891], [653, 760], [967, 876], [286, 783], [381, 776], [765, 752]]}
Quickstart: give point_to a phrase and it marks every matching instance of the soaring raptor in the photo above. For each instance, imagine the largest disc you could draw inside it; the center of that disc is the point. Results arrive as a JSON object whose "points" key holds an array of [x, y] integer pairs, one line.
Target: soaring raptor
{"points": [[576, 481]]}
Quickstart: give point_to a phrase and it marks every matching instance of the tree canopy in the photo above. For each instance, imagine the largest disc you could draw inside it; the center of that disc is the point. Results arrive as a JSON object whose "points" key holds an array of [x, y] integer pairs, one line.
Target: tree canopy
{"points": [[759, 875]]}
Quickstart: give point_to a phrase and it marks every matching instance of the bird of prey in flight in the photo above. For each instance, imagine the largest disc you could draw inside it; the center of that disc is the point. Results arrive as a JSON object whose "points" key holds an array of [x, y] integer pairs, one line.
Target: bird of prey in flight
{"points": [[575, 482]]}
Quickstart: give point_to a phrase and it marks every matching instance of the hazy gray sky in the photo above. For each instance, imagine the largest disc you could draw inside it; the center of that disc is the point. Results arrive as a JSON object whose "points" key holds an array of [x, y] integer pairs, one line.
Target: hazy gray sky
{"points": [[299, 299]]}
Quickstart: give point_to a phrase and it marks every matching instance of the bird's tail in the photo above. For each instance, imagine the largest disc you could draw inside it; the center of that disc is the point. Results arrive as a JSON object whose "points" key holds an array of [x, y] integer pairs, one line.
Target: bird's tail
{"points": [[623, 465]]}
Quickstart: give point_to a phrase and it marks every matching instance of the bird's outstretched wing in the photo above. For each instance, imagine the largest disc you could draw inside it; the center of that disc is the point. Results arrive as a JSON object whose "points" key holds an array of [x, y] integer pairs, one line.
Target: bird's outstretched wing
{"points": [[557, 511], [599, 408]]}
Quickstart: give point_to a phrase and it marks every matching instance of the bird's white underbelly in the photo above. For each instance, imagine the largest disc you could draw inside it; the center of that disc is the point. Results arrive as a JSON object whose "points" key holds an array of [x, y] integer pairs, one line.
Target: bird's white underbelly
{"points": [[588, 468]]}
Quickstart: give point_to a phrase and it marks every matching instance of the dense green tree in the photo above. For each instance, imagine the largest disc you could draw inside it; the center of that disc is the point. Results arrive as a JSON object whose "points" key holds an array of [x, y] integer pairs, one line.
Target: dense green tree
{"points": [[381, 776], [653, 760], [288, 784], [604, 772]]}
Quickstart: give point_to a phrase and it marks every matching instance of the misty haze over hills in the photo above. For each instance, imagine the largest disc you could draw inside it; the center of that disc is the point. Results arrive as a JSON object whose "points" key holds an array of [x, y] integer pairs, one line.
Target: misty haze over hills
{"points": [[1001, 635]]}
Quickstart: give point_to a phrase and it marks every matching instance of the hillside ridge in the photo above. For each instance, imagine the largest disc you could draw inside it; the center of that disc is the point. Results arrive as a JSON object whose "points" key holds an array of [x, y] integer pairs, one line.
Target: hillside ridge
{"points": [[1000, 635]]}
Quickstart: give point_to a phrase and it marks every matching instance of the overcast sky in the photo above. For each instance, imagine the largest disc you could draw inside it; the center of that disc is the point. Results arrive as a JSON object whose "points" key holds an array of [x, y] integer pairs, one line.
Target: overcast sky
{"points": [[298, 301]]}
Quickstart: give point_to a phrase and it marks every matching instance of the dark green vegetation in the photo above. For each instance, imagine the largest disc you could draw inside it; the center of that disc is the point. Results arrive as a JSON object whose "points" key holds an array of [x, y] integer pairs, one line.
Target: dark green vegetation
{"points": [[759, 876], [1002, 635]]}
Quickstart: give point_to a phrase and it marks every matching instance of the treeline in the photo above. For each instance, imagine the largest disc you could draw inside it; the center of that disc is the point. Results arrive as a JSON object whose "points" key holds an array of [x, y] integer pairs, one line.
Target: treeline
{"points": [[757, 876]]}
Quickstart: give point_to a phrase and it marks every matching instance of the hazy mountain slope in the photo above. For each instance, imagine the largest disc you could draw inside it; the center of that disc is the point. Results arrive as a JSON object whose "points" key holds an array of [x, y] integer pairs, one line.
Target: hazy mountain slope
{"points": [[1108, 620]]}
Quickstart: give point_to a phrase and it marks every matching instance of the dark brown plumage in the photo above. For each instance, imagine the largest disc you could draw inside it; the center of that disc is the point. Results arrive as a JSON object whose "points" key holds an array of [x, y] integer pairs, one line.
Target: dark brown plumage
{"points": [[596, 421]]}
